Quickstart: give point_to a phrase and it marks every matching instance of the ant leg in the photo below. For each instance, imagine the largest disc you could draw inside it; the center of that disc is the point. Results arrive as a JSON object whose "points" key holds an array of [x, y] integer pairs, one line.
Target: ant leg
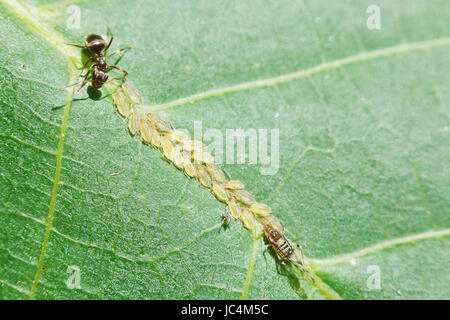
{"points": [[87, 61], [70, 85], [74, 84], [75, 45], [119, 50], [85, 78], [83, 81], [112, 37], [85, 48], [120, 69], [301, 252], [84, 66], [78, 46]]}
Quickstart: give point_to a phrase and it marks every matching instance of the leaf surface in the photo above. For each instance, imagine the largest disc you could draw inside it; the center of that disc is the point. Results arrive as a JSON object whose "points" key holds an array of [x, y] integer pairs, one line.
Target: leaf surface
{"points": [[362, 184]]}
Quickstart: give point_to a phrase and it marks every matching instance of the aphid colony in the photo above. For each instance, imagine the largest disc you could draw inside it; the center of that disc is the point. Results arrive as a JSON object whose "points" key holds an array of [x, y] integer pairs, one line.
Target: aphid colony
{"points": [[192, 157]]}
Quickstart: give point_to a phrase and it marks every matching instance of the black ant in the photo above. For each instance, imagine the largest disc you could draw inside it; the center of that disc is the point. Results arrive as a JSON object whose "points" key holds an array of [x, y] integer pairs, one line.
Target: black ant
{"points": [[95, 46]]}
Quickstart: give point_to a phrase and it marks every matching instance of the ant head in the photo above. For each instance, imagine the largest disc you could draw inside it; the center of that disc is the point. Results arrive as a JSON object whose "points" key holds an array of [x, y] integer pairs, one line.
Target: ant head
{"points": [[95, 43]]}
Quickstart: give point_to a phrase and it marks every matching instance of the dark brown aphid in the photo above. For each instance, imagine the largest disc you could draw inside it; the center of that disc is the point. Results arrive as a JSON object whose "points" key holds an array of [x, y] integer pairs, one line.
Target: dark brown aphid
{"points": [[278, 242], [284, 249], [95, 46]]}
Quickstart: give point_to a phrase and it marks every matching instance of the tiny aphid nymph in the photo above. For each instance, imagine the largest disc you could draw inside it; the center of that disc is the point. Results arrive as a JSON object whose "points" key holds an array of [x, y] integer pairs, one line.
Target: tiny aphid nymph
{"points": [[226, 218], [260, 209], [244, 196]]}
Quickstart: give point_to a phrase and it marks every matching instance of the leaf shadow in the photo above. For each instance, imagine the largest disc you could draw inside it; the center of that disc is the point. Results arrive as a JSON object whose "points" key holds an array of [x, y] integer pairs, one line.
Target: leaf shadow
{"points": [[224, 226], [286, 269], [93, 94]]}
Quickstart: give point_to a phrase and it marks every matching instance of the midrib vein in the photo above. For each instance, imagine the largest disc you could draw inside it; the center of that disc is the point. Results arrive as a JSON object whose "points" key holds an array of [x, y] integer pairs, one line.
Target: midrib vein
{"points": [[54, 194], [251, 266], [318, 264], [28, 15], [331, 65]]}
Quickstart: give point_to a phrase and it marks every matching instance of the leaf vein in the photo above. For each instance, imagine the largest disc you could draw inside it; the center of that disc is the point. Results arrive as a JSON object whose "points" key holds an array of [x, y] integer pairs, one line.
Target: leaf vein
{"points": [[331, 65], [317, 264]]}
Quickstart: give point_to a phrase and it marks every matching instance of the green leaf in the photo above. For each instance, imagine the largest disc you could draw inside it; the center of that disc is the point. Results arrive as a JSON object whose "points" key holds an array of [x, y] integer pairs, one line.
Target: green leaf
{"points": [[362, 185]]}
